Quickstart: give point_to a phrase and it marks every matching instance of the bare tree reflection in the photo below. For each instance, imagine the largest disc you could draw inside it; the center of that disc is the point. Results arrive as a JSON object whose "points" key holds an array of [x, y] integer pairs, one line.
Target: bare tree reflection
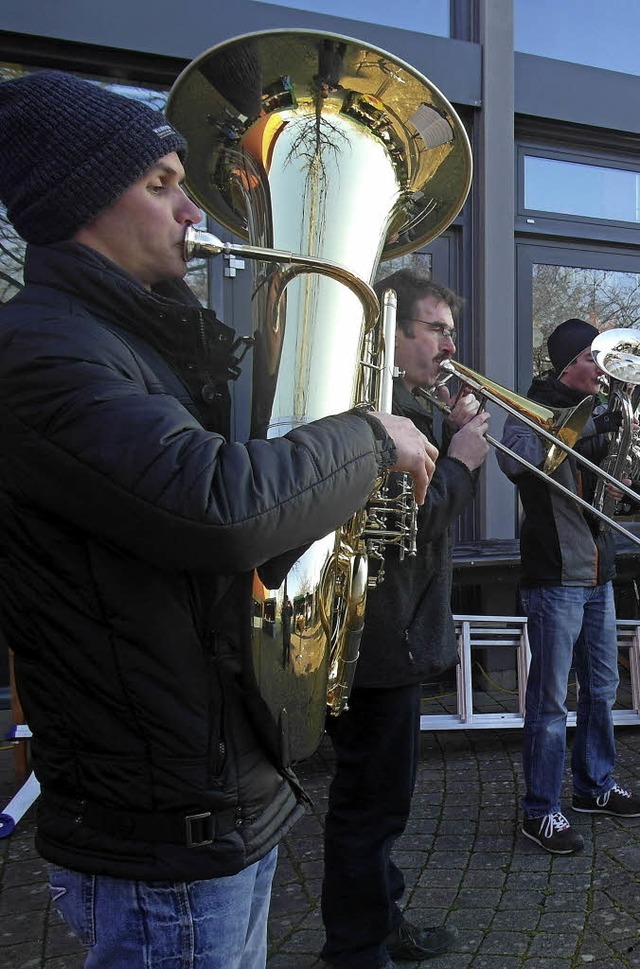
{"points": [[605, 298]]}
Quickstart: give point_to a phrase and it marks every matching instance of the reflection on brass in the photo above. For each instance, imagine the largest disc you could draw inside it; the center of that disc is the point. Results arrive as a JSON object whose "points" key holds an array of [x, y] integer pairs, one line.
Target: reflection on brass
{"points": [[323, 155], [617, 353]]}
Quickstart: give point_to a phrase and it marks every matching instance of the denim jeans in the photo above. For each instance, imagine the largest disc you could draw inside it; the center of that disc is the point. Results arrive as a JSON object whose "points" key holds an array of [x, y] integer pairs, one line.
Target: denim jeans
{"points": [[220, 923], [569, 625], [377, 744]]}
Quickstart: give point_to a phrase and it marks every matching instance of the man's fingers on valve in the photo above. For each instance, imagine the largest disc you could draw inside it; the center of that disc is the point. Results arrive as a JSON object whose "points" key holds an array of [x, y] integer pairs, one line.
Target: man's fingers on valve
{"points": [[414, 453], [423, 473], [431, 457]]}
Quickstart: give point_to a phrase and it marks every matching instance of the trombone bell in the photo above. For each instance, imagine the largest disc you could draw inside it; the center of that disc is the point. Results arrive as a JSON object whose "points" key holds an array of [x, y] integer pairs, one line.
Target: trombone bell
{"points": [[568, 427]]}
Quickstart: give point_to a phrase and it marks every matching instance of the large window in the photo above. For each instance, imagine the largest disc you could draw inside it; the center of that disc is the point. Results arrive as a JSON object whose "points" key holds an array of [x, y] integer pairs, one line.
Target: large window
{"points": [[607, 298], [580, 189], [586, 188], [432, 17], [581, 31]]}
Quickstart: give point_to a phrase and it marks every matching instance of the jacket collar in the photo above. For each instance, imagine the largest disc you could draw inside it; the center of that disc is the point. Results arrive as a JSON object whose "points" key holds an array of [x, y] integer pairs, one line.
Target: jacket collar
{"points": [[169, 318]]}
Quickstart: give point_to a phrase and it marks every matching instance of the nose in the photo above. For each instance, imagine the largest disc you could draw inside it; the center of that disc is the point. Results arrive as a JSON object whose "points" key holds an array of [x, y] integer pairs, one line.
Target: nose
{"points": [[188, 211], [449, 342]]}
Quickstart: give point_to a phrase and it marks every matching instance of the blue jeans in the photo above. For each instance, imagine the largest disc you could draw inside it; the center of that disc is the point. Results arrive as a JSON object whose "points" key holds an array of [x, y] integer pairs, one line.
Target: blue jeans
{"points": [[569, 625], [220, 923]]}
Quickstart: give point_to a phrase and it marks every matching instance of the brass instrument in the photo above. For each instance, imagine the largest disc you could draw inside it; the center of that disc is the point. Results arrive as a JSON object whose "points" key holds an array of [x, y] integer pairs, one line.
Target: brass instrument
{"points": [[560, 428], [326, 154], [617, 353]]}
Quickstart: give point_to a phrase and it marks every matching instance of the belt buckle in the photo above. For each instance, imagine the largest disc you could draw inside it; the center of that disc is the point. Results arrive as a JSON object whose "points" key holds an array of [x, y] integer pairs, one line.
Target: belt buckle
{"points": [[199, 829]]}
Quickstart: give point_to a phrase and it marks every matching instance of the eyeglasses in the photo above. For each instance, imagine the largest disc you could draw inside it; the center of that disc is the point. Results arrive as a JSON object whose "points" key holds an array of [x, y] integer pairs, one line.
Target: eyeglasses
{"points": [[440, 328]]}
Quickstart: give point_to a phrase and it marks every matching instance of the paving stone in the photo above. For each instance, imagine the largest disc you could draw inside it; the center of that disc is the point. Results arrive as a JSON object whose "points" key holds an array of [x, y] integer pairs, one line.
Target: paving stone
{"points": [[466, 862]]}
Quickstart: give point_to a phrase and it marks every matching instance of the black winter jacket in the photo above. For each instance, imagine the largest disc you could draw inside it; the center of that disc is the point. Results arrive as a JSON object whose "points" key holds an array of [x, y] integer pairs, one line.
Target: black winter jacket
{"points": [[409, 632], [130, 530], [560, 544]]}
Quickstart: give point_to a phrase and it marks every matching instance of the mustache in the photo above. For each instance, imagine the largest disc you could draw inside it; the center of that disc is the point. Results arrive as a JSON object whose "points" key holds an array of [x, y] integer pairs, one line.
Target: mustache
{"points": [[441, 357]]}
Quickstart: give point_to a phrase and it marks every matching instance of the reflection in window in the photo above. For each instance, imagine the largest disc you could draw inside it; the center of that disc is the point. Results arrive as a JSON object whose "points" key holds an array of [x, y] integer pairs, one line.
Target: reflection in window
{"points": [[605, 298], [418, 262], [589, 191], [417, 15], [12, 247], [580, 31]]}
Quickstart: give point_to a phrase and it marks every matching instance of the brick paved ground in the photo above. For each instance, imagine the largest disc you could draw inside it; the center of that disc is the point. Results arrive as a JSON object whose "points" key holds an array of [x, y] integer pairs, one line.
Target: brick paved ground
{"points": [[516, 907]]}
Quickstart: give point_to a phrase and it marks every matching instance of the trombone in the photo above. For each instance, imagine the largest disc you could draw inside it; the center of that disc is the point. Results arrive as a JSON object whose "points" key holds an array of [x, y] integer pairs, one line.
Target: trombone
{"points": [[560, 428]]}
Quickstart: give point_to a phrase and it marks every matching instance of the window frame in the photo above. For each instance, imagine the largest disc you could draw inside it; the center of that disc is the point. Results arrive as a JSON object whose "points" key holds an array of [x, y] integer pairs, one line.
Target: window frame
{"points": [[558, 224]]}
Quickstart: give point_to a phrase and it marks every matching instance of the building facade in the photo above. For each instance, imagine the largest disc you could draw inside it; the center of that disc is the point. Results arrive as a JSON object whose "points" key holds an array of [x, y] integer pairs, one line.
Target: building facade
{"points": [[550, 97]]}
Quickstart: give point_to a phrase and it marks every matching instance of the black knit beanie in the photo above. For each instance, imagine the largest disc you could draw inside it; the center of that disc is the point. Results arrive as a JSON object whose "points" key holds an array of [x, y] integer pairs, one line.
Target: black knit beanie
{"points": [[567, 341], [69, 148]]}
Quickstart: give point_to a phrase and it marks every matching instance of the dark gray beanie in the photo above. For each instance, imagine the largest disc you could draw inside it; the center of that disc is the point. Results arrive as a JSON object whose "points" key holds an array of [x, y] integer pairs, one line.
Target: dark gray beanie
{"points": [[567, 341], [69, 148]]}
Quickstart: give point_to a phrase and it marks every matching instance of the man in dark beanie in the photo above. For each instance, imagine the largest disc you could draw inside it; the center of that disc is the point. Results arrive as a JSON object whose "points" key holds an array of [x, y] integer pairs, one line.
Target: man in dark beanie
{"points": [[568, 563], [130, 531]]}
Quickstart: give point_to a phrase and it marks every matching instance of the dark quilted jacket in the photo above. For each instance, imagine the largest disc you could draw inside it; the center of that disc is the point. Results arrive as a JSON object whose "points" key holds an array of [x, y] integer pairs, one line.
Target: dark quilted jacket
{"points": [[409, 634], [130, 533]]}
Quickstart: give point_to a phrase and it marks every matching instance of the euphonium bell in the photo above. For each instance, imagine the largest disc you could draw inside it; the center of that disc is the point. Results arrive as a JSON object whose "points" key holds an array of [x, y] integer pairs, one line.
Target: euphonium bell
{"points": [[617, 353], [331, 154]]}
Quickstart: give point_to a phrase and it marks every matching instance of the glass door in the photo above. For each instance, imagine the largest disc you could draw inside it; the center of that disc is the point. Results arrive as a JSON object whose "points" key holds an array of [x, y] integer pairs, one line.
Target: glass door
{"points": [[558, 282]]}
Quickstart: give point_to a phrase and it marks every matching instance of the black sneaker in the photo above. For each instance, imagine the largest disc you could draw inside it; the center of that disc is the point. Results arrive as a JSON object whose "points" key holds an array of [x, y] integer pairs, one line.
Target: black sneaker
{"points": [[411, 943], [617, 801], [553, 833]]}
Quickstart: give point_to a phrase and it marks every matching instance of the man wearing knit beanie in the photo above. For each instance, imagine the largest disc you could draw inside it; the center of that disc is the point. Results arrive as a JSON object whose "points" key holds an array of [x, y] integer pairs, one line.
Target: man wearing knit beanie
{"points": [[131, 531], [69, 148], [568, 563], [567, 341]]}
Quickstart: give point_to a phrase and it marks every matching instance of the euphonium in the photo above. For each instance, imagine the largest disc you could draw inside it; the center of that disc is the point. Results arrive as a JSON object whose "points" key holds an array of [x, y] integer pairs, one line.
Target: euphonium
{"points": [[617, 353], [326, 154]]}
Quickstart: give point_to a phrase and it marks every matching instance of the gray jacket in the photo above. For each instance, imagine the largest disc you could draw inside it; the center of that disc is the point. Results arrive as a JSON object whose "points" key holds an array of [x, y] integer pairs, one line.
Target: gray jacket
{"points": [[559, 543]]}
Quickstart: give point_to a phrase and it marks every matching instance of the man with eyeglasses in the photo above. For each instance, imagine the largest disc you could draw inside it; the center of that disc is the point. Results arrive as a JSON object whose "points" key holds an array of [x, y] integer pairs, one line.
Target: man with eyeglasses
{"points": [[408, 639]]}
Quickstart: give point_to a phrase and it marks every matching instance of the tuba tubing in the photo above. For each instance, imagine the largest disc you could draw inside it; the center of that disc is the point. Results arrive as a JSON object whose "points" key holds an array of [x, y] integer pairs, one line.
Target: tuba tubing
{"points": [[198, 243]]}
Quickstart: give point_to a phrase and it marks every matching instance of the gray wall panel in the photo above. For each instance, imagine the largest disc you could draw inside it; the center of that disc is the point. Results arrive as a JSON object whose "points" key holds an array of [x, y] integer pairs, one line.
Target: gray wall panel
{"points": [[160, 27], [548, 88]]}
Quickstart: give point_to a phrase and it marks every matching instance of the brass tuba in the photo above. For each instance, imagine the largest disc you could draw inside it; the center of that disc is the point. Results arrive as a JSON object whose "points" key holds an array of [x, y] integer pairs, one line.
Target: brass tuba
{"points": [[324, 155]]}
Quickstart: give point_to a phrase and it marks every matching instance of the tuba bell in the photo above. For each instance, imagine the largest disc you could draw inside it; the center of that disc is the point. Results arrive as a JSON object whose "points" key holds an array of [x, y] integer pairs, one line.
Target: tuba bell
{"points": [[324, 155]]}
